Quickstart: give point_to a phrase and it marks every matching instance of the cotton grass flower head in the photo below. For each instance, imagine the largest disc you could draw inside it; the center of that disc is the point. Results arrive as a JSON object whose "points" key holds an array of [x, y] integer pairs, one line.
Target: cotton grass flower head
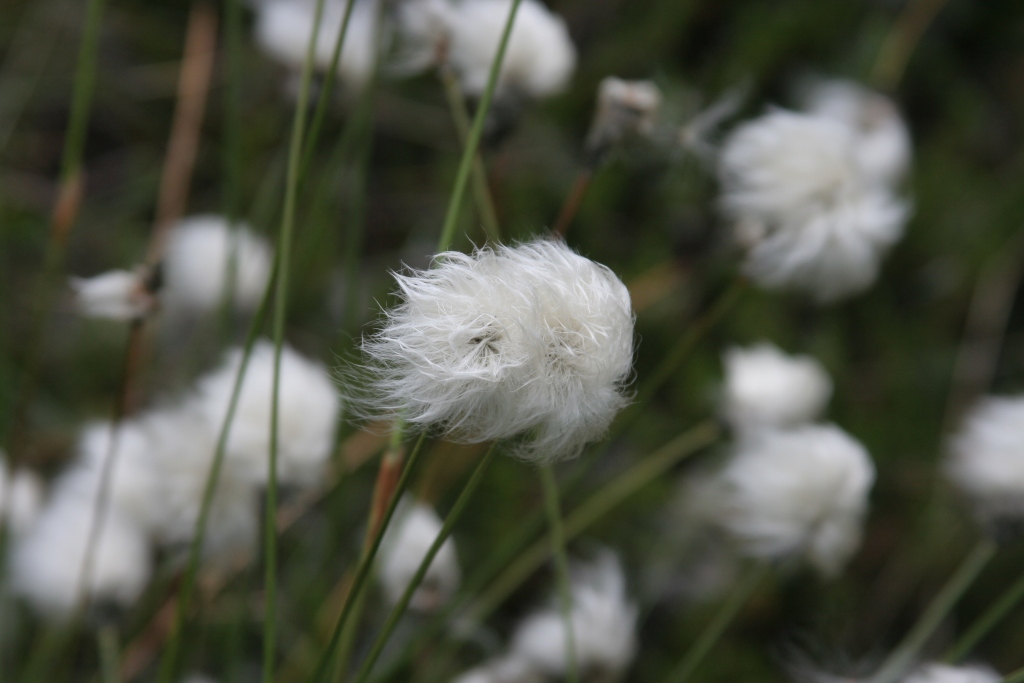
{"points": [[765, 387], [624, 109], [113, 295], [540, 57], [797, 493], [944, 673], [506, 669], [198, 260], [986, 462], [811, 219], [422, 28], [532, 340], [21, 495], [403, 548], [308, 407], [603, 622]]}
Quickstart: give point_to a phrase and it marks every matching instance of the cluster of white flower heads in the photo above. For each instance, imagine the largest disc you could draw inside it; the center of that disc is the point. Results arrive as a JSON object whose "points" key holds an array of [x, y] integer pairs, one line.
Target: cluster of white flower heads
{"points": [[812, 194], [603, 620], [945, 673], [158, 464], [408, 538], [532, 340], [986, 460]]}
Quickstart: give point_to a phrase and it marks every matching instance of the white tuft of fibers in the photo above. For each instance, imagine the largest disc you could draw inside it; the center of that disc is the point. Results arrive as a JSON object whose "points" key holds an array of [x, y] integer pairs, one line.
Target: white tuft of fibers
{"points": [[540, 57], [196, 264], [21, 496], [283, 29], [765, 387], [883, 147], [624, 109], [986, 458], [800, 493], [532, 340], [507, 669], [114, 295], [809, 217], [603, 622], [47, 559], [308, 407], [405, 544], [423, 28], [944, 673]]}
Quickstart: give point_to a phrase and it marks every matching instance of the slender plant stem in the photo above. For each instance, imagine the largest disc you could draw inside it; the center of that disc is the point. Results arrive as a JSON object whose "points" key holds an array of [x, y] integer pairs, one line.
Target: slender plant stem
{"points": [[896, 664], [366, 562], [553, 507], [284, 249], [1010, 598], [1015, 676], [899, 45], [573, 201], [738, 597], [109, 651], [460, 115], [475, 133], [446, 530]]}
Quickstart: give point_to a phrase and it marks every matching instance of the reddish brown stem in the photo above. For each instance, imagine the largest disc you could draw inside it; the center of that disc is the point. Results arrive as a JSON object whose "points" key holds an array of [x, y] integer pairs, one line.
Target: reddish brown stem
{"points": [[573, 202]]}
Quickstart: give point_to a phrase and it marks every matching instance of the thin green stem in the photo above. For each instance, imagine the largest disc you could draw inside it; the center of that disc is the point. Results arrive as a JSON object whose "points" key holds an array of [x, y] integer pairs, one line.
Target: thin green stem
{"points": [[899, 45], [475, 133], [902, 658], [109, 651], [1015, 676], [366, 562], [446, 530], [85, 85], [738, 597], [553, 507], [986, 622], [284, 249]]}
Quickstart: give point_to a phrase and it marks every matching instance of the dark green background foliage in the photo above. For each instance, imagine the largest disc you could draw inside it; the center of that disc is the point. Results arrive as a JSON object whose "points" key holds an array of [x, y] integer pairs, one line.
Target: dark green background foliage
{"points": [[890, 351]]}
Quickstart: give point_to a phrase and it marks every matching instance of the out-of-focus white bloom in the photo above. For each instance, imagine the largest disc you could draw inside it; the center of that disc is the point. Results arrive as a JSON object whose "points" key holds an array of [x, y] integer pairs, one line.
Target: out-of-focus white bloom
{"points": [[116, 295], [21, 495], [405, 544], [810, 217], [883, 142], [197, 262], [624, 108], [283, 29], [508, 669], [986, 458], [603, 622], [531, 340], [540, 56], [800, 492], [765, 387], [307, 411], [47, 560], [944, 673], [423, 28]]}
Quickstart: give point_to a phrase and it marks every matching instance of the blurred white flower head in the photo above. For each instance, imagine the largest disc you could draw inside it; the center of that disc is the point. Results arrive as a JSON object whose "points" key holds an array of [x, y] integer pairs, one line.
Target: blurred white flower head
{"points": [[423, 28], [944, 673], [803, 207], [603, 622], [624, 108], [307, 410], [765, 387], [21, 495], [986, 459], [198, 261], [114, 295], [408, 538], [532, 340], [540, 57], [799, 493], [506, 669]]}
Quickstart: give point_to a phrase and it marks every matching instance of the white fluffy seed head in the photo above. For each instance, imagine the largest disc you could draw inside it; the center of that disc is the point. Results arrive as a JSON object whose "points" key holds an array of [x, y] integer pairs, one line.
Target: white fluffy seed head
{"points": [[986, 459], [797, 493], [307, 411], [21, 496], [624, 109], [405, 544], [197, 264], [944, 673], [809, 216], [765, 387], [114, 295], [532, 340], [423, 28], [47, 560], [540, 56], [506, 669], [603, 621]]}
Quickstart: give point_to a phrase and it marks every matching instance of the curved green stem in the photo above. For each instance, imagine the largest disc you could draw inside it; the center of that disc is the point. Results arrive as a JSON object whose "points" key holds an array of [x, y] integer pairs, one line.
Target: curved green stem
{"points": [[986, 622], [551, 504]]}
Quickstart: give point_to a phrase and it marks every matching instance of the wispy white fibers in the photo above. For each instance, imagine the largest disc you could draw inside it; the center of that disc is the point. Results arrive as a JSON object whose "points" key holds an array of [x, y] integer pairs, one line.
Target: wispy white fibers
{"points": [[532, 340], [114, 295], [403, 548], [944, 673], [765, 387], [196, 264], [624, 109], [986, 459], [800, 493], [21, 494], [540, 57], [507, 669], [603, 621], [811, 217], [307, 410]]}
